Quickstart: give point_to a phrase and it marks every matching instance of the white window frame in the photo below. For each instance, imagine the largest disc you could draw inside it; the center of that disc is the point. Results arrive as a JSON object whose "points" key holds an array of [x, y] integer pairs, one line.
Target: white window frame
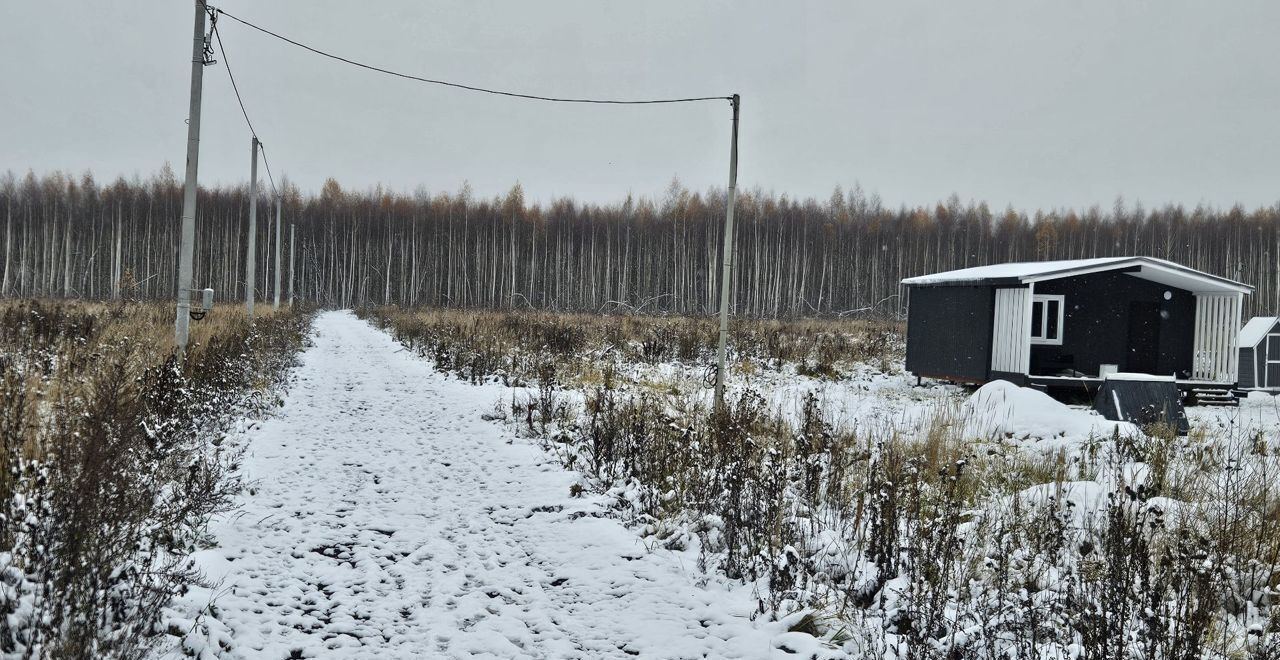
{"points": [[1037, 334]]}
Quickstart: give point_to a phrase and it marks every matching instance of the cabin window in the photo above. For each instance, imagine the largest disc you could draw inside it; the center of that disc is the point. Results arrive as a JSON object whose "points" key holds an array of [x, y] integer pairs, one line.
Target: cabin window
{"points": [[1046, 319]]}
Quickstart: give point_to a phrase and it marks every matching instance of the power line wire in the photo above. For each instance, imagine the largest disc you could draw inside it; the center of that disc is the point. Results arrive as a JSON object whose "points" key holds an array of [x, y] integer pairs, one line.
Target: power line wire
{"points": [[267, 165], [227, 64], [472, 88]]}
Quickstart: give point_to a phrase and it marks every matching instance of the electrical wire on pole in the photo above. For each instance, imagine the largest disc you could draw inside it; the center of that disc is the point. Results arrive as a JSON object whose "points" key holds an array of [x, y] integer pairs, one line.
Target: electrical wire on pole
{"points": [[727, 255], [259, 149], [473, 88], [226, 63], [201, 56], [251, 254], [726, 258]]}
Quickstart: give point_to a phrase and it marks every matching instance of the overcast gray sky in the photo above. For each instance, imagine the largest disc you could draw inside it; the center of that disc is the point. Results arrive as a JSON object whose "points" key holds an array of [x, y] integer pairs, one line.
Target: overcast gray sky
{"points": [[1032, 103]]}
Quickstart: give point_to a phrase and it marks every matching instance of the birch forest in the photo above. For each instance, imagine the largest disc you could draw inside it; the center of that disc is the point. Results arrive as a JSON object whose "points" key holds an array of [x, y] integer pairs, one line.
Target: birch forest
{"points": [[72, 236]]}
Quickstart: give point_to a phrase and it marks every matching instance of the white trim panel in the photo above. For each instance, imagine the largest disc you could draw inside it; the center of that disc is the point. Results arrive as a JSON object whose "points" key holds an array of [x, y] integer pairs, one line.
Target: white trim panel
{"points": [[1011, 331], [1216, 342]]}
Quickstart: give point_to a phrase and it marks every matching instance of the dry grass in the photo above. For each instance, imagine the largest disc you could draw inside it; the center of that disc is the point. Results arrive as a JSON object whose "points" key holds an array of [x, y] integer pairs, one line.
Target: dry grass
{"points": [[513, 345], [112, 460]]}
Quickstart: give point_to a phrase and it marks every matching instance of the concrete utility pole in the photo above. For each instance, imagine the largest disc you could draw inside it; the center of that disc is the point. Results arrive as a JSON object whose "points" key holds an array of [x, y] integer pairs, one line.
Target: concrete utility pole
{"points": [[187, 246], [276, 303], [250, 268], [727, 256], [291, 264]]}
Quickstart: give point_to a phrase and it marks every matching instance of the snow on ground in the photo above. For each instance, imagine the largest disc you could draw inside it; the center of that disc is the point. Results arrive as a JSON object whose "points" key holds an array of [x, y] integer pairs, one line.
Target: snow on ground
{"points": [[865, 398], [389, 520], [861, 398], [1001, 408], [1257, 415]]}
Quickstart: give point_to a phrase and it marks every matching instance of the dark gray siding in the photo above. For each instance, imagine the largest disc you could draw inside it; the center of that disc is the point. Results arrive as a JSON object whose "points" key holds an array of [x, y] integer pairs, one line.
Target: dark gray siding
{"points": [[1015, 378], [1096, 324], [949, 332], [1248, 362], [1253, 360], [1272, 345]]}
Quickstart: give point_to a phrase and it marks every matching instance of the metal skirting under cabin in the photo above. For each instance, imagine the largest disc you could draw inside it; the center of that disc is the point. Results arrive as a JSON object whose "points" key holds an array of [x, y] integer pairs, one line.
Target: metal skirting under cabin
{"points": [[1142, 402], [1193, 392]]}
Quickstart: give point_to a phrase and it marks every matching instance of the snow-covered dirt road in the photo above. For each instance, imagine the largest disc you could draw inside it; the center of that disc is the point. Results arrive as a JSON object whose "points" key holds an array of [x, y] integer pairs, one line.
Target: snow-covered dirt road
{"points": [[388, 520]]}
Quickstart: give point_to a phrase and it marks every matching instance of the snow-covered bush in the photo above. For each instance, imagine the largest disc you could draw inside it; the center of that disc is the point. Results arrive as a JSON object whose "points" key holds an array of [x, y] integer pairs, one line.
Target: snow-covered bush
{"points": [[928, 541], [112, 463]]}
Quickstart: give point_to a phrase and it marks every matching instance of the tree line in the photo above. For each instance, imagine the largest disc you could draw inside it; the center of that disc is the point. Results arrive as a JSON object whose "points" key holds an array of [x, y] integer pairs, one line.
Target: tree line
{"points": [[70, 236]]}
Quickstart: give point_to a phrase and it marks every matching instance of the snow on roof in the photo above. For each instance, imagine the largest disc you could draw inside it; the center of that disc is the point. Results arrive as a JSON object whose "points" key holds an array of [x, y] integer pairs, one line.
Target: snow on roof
{"points": [[1150, 268], [1133, 376], [1257, 328], [1014, 270]]}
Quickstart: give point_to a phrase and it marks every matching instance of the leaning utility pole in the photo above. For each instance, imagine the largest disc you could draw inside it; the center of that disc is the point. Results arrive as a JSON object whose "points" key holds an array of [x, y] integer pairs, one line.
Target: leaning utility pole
{"points": [[291, 264], [186, 250], [250, 268], [276, 303], [726, 257]]}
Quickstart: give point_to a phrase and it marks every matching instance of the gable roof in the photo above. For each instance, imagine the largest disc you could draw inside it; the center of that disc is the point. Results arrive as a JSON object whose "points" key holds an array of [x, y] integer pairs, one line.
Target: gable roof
{"points": [[1017, 274], [1257, 328]]}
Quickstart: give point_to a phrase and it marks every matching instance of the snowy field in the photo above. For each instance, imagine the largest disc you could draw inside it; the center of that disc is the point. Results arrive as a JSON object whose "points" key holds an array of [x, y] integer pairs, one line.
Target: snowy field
{"points": [[389, 519], [394, 514]]}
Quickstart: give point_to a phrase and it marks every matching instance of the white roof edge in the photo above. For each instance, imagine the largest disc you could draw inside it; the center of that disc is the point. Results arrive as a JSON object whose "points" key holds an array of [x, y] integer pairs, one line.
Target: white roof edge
{"points": [[1038, 271], [1257, 328], [1215, 282], [1010, 270]]}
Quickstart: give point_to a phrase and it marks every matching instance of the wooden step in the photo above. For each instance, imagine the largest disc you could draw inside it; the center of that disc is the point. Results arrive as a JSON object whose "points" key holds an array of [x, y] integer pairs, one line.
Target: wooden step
{"points": [[1213, 397]]}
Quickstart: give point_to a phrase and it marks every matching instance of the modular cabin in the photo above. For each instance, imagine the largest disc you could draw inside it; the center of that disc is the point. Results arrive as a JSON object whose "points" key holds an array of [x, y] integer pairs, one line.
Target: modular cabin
{"points": [[1066, 324], [1260, 354]]}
